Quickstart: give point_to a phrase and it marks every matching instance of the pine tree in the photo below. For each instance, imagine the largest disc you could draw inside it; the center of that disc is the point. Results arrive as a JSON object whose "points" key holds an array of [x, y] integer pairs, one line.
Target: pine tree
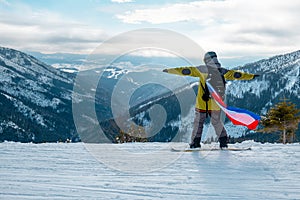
{"points": [[284, 118]]}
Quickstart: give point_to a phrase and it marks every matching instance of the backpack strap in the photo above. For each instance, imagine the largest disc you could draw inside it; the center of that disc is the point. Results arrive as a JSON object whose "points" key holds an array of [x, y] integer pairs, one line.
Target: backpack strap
{"points": [[205, 97]]}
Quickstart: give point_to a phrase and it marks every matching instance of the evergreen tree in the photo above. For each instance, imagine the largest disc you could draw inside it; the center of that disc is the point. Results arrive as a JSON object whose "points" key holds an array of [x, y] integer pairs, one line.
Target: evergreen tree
{"points": [[284, 118]]}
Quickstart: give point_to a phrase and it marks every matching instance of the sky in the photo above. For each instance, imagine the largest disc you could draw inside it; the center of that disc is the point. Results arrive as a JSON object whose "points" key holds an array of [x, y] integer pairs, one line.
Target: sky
{"points": [[235, 29]]}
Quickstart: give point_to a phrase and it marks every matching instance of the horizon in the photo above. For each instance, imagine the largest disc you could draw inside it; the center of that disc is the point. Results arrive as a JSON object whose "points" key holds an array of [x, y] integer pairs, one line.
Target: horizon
{"points": [[76, 58], [230, 63]]}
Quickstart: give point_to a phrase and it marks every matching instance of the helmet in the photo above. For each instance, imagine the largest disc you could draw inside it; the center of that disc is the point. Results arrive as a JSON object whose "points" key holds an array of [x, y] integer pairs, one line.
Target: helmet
{"points": [[210, 58]]}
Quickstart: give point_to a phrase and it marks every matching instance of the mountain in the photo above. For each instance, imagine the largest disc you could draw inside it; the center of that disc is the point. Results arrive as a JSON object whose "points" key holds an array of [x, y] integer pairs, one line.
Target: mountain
{"points": [[123, 97], [35, 100], [279, 80], [75, 62]]}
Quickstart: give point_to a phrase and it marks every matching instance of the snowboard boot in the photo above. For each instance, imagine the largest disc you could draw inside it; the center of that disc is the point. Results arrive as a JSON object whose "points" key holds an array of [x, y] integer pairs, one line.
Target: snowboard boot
{"points": [[223, 142], [195, 143]]}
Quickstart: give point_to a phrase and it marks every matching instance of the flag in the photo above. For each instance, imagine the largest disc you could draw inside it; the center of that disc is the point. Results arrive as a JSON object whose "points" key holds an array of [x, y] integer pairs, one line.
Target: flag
{"points": [[237, 116]]}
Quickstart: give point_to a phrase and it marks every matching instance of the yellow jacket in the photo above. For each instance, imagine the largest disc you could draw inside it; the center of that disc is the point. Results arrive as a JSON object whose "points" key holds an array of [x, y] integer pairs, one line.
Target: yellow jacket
{"points": [[202, 72]]}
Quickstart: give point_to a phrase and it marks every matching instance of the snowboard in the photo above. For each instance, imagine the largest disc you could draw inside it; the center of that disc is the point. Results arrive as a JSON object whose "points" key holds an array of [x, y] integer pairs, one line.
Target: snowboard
{"points": [[210, 149]]}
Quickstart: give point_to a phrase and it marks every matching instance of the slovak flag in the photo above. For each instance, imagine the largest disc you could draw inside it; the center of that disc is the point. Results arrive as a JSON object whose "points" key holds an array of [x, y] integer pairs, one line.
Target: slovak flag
{"points": [[236, 115]]}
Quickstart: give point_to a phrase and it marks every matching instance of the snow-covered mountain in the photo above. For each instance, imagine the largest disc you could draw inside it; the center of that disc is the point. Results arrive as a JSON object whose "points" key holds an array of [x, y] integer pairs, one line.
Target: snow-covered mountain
{"points": [[119, 82], [279, 79], [35, 99], [36, 103]]}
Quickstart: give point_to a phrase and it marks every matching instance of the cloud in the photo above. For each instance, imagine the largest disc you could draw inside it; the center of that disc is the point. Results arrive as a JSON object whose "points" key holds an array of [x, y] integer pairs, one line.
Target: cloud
{"points": [[230, 27], [235, 25], [49, 32], [208, 12], [193, 11]]}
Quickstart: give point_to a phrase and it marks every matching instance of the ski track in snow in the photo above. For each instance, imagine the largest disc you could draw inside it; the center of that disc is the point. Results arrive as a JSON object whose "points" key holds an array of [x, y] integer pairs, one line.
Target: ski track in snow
{"points": [[69, 171]]}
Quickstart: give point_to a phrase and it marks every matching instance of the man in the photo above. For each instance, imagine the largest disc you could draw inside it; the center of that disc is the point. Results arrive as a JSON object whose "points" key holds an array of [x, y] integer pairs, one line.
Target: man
{"points": [[205, 105]]}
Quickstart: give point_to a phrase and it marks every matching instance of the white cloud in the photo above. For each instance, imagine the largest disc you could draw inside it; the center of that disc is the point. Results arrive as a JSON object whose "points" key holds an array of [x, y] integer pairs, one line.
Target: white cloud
{"points": [[230, 27], [193, 11], [48, 32], [269, 26], [208, 12]]}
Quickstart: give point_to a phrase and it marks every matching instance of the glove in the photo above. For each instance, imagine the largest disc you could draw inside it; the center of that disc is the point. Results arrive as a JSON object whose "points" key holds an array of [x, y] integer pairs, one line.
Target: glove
{"points": [[165, 70], [256, 75]]}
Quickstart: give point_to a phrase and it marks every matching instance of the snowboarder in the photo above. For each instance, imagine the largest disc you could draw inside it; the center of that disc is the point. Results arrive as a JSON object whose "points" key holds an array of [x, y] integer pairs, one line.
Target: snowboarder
{"points": [[205, 105]]}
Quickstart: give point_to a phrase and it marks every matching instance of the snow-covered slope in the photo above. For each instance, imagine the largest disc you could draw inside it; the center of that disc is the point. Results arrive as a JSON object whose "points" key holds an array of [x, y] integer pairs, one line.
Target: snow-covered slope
{"points": [[35, 99], [279, 79], [69, 171]]}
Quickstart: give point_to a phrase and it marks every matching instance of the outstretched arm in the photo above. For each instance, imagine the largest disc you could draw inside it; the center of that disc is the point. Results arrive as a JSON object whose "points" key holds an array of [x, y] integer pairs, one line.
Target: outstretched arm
{"points": [[198, 72], [184, 71], [237, 75]]}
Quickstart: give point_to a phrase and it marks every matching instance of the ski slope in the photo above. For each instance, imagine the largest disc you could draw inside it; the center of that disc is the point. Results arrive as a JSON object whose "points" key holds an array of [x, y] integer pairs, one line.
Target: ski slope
{"points": [[78, 171]]}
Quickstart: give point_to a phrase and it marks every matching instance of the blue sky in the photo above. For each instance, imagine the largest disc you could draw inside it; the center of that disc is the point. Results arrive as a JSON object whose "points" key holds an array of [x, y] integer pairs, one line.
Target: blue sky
{"points": [[241, 29]]}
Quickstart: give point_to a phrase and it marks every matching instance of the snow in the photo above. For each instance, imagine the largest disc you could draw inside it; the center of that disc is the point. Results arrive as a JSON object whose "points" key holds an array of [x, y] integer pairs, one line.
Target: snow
{"points": [[69, 70], [27, 111], [235, 131], [70, 171], [279, 78], [114, 73], [17, 81], [248, 87], [46, 80], [9, 124], [292, 77], [185, 125]]}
